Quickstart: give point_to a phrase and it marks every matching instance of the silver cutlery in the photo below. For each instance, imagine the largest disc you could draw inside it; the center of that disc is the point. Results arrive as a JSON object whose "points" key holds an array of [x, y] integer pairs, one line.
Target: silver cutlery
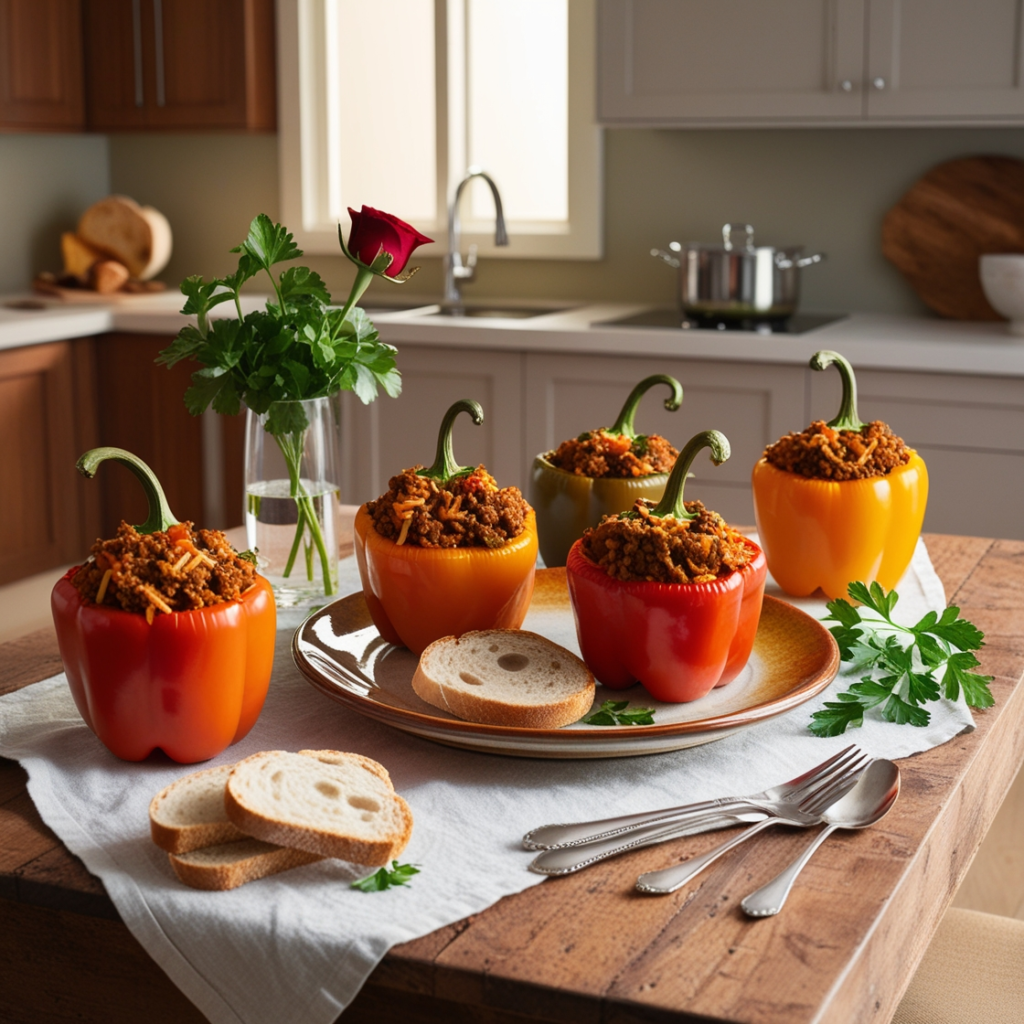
{"points": [[869, 801], [804, 812], [553, 837]]}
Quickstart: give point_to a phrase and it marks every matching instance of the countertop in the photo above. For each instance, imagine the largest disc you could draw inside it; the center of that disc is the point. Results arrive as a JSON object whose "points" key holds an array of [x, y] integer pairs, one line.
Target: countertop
{"points": [[868, 339]]}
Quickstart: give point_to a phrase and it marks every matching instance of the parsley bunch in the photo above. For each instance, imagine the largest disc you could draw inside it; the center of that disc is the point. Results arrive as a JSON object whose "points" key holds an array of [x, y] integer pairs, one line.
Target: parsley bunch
{"points": [[902, 662], [382, 879]]}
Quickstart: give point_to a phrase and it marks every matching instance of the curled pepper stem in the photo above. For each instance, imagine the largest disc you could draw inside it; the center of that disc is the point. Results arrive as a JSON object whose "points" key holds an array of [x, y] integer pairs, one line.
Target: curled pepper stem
{"points": [[847, 418], [671, 504], [160, 515], [445, 467], [624, 424]]}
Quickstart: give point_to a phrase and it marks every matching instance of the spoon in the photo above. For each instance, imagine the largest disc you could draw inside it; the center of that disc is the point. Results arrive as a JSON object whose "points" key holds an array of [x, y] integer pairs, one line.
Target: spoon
{"points": [[866, 803]]}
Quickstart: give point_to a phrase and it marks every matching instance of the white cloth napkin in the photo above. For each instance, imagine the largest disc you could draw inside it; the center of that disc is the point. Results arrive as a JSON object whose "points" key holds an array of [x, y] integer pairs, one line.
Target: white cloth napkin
{"points": [[296, 947]]}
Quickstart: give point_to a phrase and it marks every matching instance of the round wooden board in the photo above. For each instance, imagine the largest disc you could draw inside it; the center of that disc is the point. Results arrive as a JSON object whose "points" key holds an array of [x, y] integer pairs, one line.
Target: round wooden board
{"points": [[957, 212]]}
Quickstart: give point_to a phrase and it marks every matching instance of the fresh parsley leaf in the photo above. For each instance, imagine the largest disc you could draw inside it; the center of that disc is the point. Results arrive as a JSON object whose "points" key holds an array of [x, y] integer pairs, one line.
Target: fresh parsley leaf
{"points": [[399, 874], [249, 555], [268, 243], [613, 712], [902, 662]]}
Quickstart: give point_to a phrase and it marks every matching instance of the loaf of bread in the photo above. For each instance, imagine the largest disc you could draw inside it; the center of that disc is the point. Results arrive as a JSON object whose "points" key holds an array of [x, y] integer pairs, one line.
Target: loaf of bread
{"points": [[343, 807], [229, 865], [505, 677], [79, 257], [137, 236]]}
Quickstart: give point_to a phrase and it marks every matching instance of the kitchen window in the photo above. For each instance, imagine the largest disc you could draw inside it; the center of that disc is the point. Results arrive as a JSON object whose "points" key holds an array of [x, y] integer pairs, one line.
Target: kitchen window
{"points": [[388, 104]]}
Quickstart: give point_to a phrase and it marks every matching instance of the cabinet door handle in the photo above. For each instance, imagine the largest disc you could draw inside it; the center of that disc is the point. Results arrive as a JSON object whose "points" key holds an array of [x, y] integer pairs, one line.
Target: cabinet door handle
{"points": [[140, 98], [846, 85], [158, 28], [878, 83]]}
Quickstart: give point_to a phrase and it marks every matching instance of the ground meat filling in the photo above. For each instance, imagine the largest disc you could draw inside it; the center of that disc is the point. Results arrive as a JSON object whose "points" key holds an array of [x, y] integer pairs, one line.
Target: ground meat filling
{"points": [[666, 550], [469, 511], [824, 453], [600, 454], [174, 571]]}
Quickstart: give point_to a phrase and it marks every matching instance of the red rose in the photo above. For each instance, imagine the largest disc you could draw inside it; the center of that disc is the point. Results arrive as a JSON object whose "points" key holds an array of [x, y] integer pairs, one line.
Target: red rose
{"points": [[373, 230]]}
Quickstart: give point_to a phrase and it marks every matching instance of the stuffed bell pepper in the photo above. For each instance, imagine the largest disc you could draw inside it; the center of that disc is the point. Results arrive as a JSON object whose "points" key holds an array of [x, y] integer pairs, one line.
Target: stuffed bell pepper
{"points": [[667, 594], [600, 473], [446, 550], [840, 501], [166, 634]]}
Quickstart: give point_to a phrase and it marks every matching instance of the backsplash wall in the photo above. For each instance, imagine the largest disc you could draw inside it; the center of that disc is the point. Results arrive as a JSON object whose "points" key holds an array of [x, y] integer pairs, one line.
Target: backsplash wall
{"points": [[46, 181], [825, 189]]}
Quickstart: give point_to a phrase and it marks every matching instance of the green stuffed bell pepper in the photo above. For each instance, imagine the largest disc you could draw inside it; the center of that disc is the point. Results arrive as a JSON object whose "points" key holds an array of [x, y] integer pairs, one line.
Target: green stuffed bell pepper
{"points": [[602, 472]]}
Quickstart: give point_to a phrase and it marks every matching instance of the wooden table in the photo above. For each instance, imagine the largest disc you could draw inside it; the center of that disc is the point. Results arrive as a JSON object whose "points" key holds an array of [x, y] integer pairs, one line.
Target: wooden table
{"points": [[587, 949]]}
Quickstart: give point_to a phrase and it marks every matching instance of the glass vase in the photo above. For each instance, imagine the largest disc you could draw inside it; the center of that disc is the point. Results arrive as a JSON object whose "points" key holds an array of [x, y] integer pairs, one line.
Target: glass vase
{"points": [[292, 497]]}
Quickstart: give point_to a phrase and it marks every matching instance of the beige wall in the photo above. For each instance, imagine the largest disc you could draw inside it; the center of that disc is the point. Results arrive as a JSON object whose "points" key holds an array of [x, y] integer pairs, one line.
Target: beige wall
{"points": [[46, 181], [825, 189]]}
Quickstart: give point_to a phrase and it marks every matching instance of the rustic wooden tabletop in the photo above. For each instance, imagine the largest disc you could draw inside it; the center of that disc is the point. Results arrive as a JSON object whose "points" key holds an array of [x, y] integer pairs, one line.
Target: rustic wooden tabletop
{"points": [[587, 948]]}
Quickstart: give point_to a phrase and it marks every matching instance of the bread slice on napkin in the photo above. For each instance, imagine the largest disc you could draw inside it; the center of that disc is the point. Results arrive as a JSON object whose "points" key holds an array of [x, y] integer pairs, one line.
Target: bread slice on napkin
{"points": [[229, 865], [341, 805], [508, 677], [189, 813]]}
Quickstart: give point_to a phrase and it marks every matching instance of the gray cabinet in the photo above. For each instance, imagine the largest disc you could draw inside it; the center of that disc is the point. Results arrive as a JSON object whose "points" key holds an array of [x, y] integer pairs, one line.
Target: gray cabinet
{"points": [[815, 62]]}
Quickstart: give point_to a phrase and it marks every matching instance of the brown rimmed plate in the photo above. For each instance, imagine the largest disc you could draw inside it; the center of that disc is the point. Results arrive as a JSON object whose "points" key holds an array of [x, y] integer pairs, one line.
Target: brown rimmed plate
{"points": [[342, 655]]}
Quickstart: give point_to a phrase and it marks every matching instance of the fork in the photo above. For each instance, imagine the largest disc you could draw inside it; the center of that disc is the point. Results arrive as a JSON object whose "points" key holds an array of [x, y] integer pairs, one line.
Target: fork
{"points": [[804, 812], [566, 859], [553, 837]]}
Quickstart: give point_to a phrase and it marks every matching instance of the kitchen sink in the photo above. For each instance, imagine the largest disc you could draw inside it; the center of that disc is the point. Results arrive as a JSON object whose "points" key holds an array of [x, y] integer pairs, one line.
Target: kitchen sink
{"points": [[496, 312]]}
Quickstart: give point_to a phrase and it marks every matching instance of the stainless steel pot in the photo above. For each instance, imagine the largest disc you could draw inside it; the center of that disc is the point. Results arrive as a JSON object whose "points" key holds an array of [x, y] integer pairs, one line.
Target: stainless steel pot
{"points": [[737, 279]]}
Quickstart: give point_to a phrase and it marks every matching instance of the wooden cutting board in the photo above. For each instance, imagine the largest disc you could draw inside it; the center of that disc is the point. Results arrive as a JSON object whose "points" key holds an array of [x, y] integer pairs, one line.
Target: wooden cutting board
{"points": [[957, 212]]}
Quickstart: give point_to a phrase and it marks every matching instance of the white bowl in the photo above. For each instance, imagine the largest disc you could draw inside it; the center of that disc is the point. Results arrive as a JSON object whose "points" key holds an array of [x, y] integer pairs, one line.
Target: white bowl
{"points": [[1002, 280]]}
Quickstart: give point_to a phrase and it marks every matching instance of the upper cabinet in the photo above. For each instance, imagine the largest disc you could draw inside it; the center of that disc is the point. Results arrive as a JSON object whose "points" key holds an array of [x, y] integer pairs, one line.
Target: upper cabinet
{"points": [[692, 63], [180, 64], [41, 65]]}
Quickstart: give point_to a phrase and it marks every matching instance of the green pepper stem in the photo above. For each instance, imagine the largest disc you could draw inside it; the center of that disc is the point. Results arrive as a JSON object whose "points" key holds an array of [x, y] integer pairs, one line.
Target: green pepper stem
{"points": [[160, 515], [847, 418], [624, 424], [445, 466], [671, 504]]}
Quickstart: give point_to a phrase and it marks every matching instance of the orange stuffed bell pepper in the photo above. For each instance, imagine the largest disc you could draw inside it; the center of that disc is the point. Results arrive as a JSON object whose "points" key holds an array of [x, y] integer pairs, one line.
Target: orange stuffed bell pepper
{"points": [[446, 550], [167, 635], [670, 595], [839, 502]]}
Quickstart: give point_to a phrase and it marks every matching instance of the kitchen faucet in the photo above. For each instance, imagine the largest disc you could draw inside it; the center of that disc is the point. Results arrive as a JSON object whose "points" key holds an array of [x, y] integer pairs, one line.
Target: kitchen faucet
{"points": [[455, 271]]}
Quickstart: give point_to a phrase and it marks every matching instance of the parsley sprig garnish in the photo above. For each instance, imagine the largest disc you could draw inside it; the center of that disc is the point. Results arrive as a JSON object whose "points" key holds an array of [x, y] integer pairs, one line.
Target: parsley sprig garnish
{"points": [[398, 874], [902, 663], [613, 712]]}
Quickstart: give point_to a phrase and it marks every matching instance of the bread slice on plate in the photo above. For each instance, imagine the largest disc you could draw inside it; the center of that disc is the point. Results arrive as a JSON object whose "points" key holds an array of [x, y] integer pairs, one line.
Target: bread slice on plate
{"points": [[509, 677], [229, 865], [189, 813], [343, 806]]}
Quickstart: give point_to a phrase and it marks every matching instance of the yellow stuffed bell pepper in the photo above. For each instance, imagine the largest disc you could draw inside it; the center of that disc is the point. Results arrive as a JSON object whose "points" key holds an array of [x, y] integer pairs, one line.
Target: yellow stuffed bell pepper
{"points": [[567, 503], [418, 591], [826, 533]]}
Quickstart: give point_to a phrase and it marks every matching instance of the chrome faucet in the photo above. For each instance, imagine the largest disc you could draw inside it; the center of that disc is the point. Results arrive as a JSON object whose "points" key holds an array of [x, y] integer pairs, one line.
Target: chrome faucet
{"points": [[455, 271]]}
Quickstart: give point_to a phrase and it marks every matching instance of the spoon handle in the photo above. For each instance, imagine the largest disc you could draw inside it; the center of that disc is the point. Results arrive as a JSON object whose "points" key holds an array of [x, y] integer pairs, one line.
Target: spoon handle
{"points": [[768, 900]]}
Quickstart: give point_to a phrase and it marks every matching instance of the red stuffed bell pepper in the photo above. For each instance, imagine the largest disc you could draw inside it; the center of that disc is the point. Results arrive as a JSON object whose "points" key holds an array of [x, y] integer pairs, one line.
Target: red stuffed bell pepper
{"points": [[189, 682], [680, 639]]}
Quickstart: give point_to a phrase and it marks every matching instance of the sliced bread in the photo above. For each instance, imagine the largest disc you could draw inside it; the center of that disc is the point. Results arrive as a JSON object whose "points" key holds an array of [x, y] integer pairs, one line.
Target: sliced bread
{"points": [[229, 865], [189, 813], [137, 236], [343, 806], [509, 677]]}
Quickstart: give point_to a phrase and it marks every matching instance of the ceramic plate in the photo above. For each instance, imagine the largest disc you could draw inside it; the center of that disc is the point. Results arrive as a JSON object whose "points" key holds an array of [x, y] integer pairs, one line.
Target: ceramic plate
{"points": [[342, 655]]}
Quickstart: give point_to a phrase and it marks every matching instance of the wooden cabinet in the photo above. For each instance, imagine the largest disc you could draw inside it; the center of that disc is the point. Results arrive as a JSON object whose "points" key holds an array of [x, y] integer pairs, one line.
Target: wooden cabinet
{"points": [[49, 515], [180, 64], [41, 85], [757, 62]]}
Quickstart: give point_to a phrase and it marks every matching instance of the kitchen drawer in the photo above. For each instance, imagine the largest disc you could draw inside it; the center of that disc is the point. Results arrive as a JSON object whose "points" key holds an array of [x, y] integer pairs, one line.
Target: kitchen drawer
{"points": [[751, 404]]}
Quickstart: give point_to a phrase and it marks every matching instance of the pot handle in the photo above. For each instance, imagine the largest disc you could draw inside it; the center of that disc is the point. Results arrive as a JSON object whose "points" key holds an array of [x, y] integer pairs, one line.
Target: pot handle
{"points": [[745, 229], [672, 261], [785, 263]]}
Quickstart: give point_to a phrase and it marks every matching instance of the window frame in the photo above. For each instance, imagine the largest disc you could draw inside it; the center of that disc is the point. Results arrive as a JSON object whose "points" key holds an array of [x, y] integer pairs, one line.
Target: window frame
{"points": [[302, 159]]}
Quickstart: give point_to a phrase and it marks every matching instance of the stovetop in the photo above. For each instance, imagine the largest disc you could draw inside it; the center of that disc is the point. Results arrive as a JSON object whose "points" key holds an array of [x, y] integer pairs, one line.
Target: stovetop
{"points": [[799, 323]]}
